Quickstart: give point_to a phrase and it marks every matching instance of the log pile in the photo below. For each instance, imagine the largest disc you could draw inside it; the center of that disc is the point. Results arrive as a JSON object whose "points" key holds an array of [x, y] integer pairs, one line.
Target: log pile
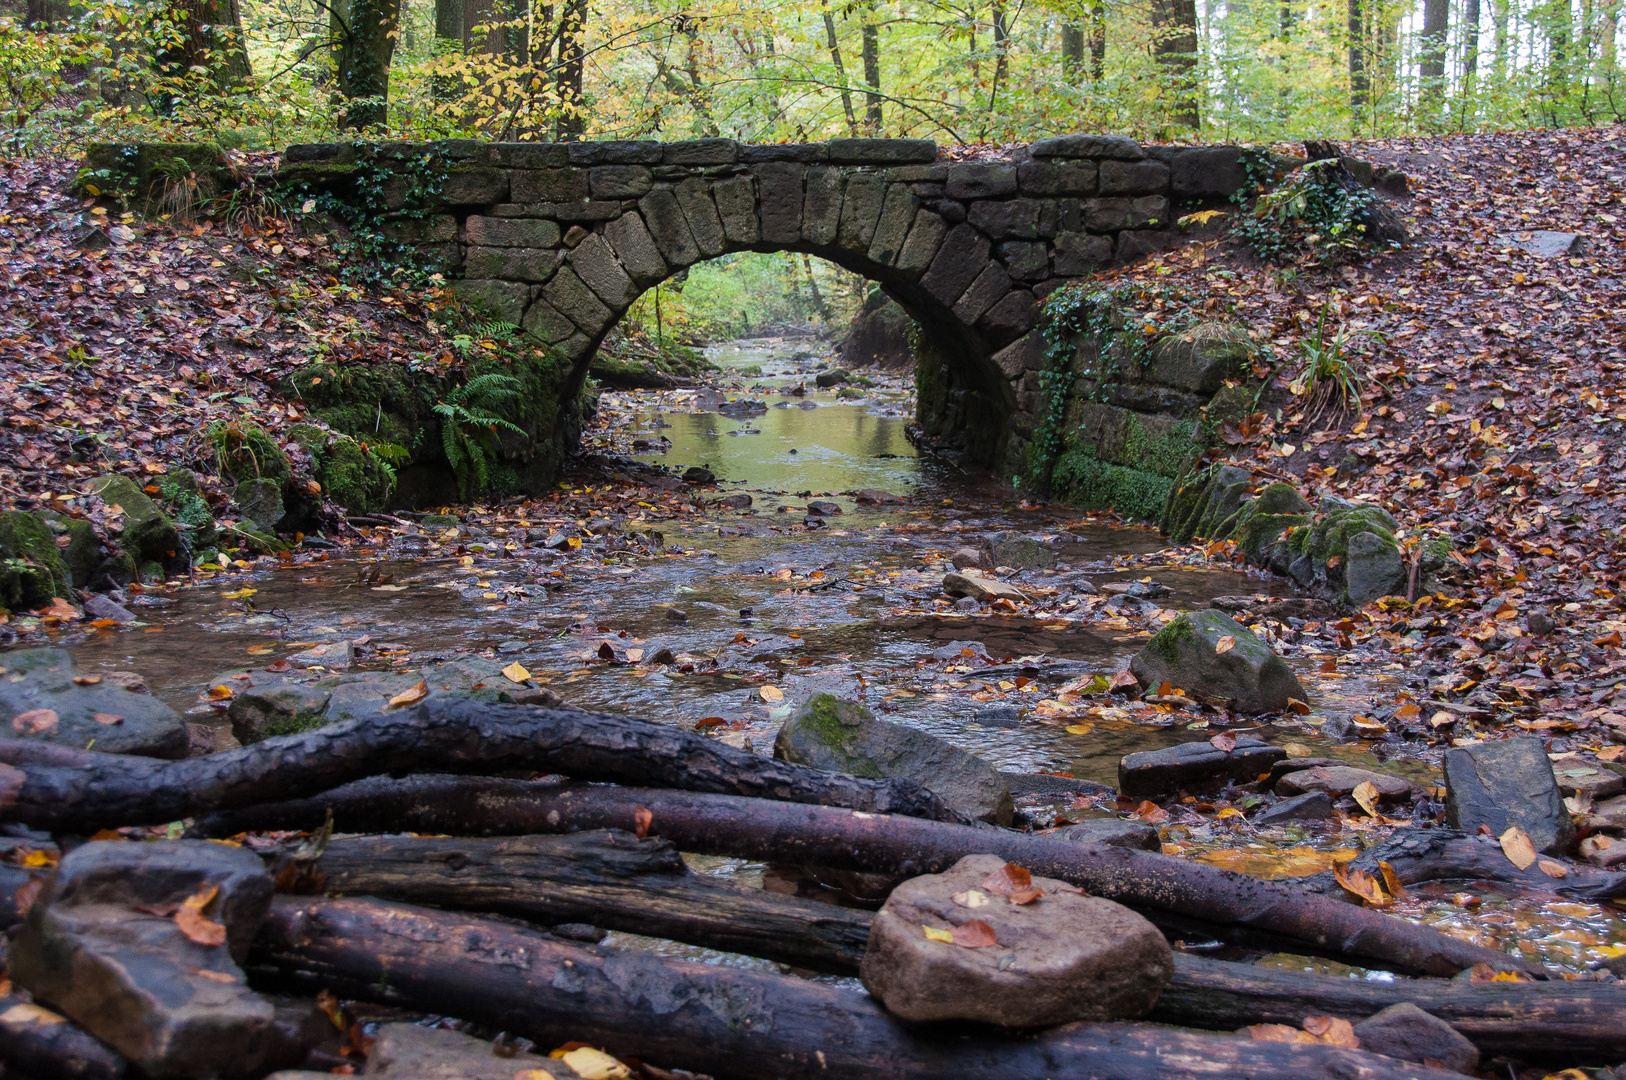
{"points": [[438, 892]]}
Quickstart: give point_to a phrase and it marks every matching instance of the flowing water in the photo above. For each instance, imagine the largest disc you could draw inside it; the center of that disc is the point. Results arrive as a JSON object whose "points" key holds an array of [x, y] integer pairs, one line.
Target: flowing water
{"points": [[789, 604]]}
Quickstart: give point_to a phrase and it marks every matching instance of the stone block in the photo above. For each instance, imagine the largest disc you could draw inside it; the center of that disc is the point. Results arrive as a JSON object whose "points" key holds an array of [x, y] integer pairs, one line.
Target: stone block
{"points": [[1211, 172], [1088, 146], [595, 210], [1010, 317], [1197, 362], [779, 202], [801, 153], [1057, 177], [1336, 781], [503, 300], [510, 232], [924, 237], [595, 263], [1249, 674], [1025, 354], [572, 298], [1002, 220], [547, 185], [821, 206], [1138, 243], [1058, 216], [543, 321], [523, 155], [1195, 768], [960, 258], [409, 1052], [1373, 568], [434, 229], [626, 152], [892, 228], [1111, 215], [881, 151], [980, 180], [1145, 177], [694, 199], [860, 210], [1407, 1033], [635, 249], [736, 200], [511, 264], [917, 174], [702, 152], [619, 181], [1025, 260], [669, 227], [1505, 783], [474, 187], [989, 286]]}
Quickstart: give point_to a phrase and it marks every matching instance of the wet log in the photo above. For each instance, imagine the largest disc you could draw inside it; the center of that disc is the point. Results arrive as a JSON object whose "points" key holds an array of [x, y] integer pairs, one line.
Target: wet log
{"points": [[876, 843], [38, 1042], [617, 881], [607, 878], [445, 735], [1444, 854], [729, 1023]]}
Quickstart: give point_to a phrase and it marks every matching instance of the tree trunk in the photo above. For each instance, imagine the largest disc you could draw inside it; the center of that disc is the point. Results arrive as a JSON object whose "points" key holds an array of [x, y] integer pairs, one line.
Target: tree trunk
{"points": [[1072, 52], [616, 881], [819, 306], [1174, 43], [448, 735], [872, 72], [365, 32], [1360, 86], [729, 1023], [571, 70], [841, 70], [1470, 48], [449, 41], [1002, 36], [203, 35], [883, 844], [1431, 49], [1098, 40]]}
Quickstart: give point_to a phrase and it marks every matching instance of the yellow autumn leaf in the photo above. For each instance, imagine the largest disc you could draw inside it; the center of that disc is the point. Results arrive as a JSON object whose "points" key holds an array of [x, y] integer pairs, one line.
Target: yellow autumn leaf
{"points": [[771, 693], [1366, 797], [18, 1015], [1517, 847], [1225, 644], [934, 934], [410, 696], [1080, 729], [516, 672], [591, 1064], [239, 594]]}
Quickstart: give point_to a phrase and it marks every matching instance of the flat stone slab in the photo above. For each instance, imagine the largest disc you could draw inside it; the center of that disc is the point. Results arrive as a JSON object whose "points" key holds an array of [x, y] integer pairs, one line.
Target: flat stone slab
{"points": [[981, 588], [1544, 243], [45, 697], [1113, 832], [413, 1052], [1504, 783], [1195, 768], [1340, 780], [1311, 806]]}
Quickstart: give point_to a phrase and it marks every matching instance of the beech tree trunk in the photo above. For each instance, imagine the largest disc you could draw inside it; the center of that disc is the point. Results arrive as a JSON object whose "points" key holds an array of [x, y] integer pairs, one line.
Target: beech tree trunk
{"points": [[1174, 43], [1431, 55], [445, 735], [729, 1023], [841, 69], [572, 67], [871, 41], [365, 33], [885, 844]]}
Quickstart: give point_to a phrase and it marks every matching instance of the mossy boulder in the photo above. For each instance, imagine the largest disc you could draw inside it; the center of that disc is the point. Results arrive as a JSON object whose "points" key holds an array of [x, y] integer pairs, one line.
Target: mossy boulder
{"points": [[353, 473], [81, 551], [1188, 654], [831, 733], [142, 169], [1084, 480], [145, 532], [31, 568]]}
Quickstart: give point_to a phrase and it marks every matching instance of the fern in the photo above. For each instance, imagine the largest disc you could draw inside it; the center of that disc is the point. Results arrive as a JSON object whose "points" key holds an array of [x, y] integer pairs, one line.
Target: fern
{"points": [[468, 427]]}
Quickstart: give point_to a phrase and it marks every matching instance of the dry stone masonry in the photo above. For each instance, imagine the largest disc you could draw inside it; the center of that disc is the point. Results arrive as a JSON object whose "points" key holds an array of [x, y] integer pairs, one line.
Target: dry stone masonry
{"points": [[562, 238]]}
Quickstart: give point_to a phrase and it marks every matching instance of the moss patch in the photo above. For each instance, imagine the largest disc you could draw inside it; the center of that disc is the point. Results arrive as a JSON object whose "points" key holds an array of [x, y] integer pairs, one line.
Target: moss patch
{"points": [[294, 725], [1167, 641], [246, 452], [1087, 482], [31, 566]]}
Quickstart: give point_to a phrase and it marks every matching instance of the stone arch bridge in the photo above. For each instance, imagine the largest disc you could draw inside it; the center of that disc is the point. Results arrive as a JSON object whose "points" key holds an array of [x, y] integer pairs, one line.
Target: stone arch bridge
{"points": [[562, 238]]}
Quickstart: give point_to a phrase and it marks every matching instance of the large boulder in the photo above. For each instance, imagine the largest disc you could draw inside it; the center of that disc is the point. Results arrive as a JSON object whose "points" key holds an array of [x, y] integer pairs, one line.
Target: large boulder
{"points": [[1188, 653], [111, 943], [1407, 1033], [265, 706], [45, 697], [1195, 768], [32, 570], [1057, 958], [830, 733], [1506, 783], [145, 532]]}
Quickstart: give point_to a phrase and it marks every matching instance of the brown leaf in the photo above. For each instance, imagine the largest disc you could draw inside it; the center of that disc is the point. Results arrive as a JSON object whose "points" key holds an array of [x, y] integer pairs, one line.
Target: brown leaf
{"points": [[1008, 880], [642, 819], [975, 934], [1332, 1030], [1224, 644], [1278, 1033], [410, 696], [1224, 742], [1122, 681], [1150, 812], [1552, 869], [1300, 707], [279, 666], [1516, 845], [87, 680], [1366, 797], [197, 926], [34, 721], [28, 893], [1360, 883], [109, 718], [1391, 881], [1027, 896]]}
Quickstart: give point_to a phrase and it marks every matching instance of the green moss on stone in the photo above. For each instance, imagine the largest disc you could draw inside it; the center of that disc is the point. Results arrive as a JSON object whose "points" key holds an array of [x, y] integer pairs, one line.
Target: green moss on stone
{"points": [[822, 719], [1167, 641], [1085, 481], [1167, 454], [31, 566], [245, 452], [1256, 535], [294, 725]]}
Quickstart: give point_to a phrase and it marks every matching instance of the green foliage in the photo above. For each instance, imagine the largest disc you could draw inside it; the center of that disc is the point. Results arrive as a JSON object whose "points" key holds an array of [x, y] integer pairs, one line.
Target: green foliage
{"points": [[244, 451], [1314, 213], [468, 428], [385, 184], [1329, 375]]}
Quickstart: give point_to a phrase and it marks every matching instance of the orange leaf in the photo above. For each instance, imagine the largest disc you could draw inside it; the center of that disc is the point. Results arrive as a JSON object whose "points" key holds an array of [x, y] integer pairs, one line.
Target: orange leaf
{"points": [[87, 680], [1552, 869], [1149, 811], [1122, 681], [1391, 881], [1360, 883], [642, 819], [1332, 1030], [109, 718], [410, 696], [1302, 708], [1366, 797], [975, 934], [1224, 644], [197, 926], [1224, 742], [34, 721], [1007, 880], [1516, 845], [1278, 1033], [58, 609], [221, 693]]}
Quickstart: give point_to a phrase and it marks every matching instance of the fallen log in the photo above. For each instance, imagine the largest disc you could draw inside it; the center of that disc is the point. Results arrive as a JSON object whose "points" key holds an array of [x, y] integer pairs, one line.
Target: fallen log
{"points": [[877, 843], [38, 1042], [730, 1023], [445, 735], [617, 881], [1442, 854]]}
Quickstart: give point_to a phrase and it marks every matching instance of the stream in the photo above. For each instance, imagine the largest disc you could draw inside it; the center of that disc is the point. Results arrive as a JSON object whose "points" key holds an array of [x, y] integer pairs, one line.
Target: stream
{"points": [[789, 603]]}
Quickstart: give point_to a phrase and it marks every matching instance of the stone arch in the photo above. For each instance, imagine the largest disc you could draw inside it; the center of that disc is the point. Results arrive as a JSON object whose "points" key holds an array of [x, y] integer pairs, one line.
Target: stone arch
{"points": [[562, 238]]}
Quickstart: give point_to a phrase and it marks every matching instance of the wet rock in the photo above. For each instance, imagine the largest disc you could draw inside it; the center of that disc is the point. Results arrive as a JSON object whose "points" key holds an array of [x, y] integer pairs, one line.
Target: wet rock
{"points": [[1544, 243], [980, 588], [1407, 1033], [42, 700], [102, 946], [1576, 780], [1194, 768], [1112, 832], [967, 603], [1540, 623], [1247, 673], [200, 740], [260, 501], [877, 497], [826, 379], [269, 706], [1311, 806], [698, 474], [1274, 607], [333, 655], [1058, 958], [145, 533], [411, 1052], [971, 558], [1019, 552], [1339, 780], [676, 615], [739, 409], [1372, 569], [1503, 783], [823, 509], [104, 607], [830, 733], [734, 502]]}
